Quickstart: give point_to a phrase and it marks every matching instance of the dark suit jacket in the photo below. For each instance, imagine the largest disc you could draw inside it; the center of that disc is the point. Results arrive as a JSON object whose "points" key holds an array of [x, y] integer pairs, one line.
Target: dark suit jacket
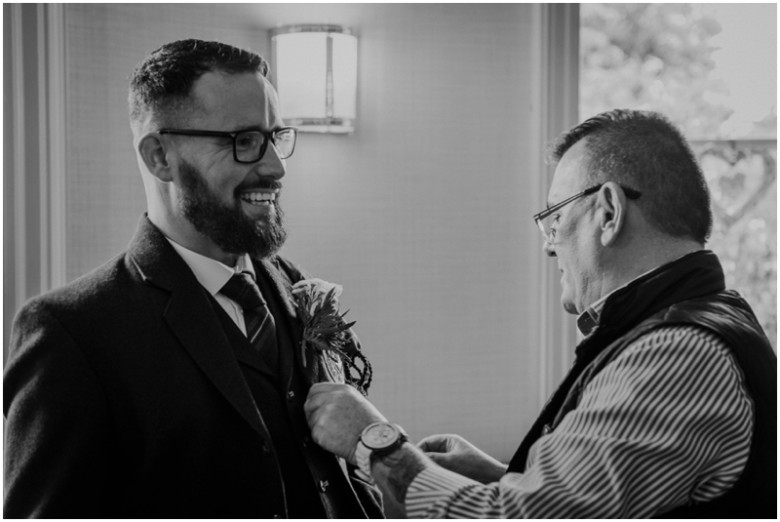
{"points": [[123, 399]]}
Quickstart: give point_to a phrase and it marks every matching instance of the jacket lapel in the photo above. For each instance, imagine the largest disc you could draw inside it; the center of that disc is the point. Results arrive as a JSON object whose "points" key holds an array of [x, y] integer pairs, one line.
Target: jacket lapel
{"points": [[191, 318]]}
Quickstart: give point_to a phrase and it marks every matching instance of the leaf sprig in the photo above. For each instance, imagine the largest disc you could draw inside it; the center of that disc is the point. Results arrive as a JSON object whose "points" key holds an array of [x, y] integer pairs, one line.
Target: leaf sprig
{"points": [[327, 338]]}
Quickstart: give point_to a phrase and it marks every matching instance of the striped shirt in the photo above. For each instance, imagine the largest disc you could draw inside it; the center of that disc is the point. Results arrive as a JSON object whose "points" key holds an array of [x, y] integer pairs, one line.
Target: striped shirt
{"points": [[667, 423]]}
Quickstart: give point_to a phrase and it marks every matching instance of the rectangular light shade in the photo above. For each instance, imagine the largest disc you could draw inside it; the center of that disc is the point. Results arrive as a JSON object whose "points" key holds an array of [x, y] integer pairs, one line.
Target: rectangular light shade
{"points": [[315, 73]]}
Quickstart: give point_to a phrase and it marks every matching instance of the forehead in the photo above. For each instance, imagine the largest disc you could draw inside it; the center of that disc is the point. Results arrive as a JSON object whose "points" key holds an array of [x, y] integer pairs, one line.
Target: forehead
{"points": [[570, 173], [234, 101]]}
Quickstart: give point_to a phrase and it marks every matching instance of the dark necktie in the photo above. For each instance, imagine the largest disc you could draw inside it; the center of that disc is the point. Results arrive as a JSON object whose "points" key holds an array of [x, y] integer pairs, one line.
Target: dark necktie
{"points": [[260, 326]]}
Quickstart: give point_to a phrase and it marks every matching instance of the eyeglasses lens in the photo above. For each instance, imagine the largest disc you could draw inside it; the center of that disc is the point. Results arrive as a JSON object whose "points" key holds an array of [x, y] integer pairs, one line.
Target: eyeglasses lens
{"points": [[249, 144], [546, 225], [284, 142]]}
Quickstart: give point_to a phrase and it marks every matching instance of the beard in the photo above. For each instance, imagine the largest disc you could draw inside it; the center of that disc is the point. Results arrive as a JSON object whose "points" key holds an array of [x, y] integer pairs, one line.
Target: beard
{"points": [[226, 225]]}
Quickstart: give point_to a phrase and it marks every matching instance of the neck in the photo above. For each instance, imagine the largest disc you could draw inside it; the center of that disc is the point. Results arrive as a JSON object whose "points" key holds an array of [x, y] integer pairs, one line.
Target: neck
{"points": [[182, 232], [643, 256]]}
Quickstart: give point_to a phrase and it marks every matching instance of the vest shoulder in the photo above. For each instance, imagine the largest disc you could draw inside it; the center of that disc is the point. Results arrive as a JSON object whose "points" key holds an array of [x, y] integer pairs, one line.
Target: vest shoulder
{"points": [[725, 313]]}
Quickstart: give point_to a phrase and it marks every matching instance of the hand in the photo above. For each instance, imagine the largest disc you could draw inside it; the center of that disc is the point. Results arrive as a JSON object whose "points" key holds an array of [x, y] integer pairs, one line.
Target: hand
{"points": [[337, 415], [457, 454]]}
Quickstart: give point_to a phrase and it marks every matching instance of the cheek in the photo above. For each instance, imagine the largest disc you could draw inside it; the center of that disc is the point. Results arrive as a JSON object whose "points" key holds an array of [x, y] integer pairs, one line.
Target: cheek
{"points": [[570, 276], [570, 263], [221, 181]]}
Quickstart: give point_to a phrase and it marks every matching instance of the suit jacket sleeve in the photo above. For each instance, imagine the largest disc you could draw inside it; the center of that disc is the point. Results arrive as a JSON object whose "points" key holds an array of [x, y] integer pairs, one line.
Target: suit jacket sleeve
{"points": [[57, 426]]}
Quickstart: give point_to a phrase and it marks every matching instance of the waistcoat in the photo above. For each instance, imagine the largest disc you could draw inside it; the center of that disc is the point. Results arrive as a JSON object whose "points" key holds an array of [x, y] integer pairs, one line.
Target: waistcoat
{"points": [[313, 481], [688, 291]]}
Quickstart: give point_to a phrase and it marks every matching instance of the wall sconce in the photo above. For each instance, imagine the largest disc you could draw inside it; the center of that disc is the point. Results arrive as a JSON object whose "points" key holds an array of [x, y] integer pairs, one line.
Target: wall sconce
{"points": [[314, 68]]}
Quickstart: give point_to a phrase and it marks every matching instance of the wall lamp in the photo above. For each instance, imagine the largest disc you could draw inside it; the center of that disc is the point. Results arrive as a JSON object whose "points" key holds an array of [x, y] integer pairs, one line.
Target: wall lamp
{"points": [[314, 68]]}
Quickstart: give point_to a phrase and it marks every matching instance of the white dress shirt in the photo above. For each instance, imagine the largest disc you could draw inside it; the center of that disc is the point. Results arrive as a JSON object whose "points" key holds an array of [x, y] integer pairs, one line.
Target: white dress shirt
{"points": [[213, 275]]}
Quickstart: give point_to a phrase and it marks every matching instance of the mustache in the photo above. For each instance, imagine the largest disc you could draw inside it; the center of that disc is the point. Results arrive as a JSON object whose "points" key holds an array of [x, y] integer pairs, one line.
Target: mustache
{"points": [[269, 184]]}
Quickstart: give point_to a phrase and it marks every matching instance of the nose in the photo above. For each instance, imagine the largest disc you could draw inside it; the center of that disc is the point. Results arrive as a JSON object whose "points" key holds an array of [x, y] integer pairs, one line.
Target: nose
{"points": [[271, 165], [549, 249]]}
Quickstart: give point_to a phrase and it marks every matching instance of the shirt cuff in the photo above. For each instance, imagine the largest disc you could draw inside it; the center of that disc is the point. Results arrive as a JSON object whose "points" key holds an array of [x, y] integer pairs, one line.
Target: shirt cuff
{"points": [[431, 486]]}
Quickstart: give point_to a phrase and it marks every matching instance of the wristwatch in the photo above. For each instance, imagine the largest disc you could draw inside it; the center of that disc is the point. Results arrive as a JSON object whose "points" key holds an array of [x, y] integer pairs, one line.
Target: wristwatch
{"points": [[377, 440]]}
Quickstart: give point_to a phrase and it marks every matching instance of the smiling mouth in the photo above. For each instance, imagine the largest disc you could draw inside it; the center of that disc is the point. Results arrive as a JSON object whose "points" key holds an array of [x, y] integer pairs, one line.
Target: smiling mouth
{"points": [[259, 198]]}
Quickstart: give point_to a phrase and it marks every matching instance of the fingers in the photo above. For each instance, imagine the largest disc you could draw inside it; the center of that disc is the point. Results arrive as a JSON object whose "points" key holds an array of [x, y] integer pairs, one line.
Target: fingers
{"points": [[327, 391], [319, 388], [439, 443], [440, 459], [336, 414], [321, 394], [434, 443], [339, 404]]}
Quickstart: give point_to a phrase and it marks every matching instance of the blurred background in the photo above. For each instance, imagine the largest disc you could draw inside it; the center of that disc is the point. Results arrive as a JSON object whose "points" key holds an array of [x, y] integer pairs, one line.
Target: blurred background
{"points": [[712, 69], [422, 212]]}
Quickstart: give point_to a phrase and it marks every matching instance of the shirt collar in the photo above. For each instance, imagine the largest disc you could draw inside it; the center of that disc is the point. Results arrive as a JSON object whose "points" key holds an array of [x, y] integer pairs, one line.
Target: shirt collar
{"points": [[210, 273], [588, 320]]}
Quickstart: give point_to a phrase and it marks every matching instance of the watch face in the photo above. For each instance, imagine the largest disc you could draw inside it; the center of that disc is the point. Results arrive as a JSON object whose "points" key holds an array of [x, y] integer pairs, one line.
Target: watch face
{"points": [[380, 435]]}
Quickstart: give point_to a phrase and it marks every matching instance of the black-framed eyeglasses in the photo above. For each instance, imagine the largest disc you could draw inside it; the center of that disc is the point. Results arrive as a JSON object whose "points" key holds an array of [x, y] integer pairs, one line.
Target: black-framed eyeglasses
{"points": [[547, 219], [249, 146]]}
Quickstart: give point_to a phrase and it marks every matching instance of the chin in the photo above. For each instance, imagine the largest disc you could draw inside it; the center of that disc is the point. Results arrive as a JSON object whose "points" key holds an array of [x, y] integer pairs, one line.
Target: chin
{"points": [[570, 308], [568, 302]]}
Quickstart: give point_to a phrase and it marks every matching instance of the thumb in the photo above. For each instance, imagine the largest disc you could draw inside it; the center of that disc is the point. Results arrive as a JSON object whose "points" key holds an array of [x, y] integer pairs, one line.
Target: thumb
{"points": [[434, 443], [439, 458]]}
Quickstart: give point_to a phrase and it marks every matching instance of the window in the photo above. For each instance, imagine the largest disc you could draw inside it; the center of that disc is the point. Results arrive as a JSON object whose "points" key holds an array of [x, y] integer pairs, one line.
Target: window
{"points": [[712, 69]]}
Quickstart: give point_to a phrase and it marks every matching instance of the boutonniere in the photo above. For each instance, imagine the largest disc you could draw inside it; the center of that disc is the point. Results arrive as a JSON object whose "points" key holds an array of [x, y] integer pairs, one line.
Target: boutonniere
{"points": [[329, 350]]}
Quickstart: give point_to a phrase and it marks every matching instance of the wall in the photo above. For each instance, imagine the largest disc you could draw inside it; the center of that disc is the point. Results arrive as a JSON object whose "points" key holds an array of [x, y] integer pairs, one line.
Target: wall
{"points": [[104, 43], [423, 214]]}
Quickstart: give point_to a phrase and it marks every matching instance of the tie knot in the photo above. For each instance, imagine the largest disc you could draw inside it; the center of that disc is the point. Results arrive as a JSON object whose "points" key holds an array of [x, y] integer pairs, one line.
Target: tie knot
{"points": [[242, 289]]}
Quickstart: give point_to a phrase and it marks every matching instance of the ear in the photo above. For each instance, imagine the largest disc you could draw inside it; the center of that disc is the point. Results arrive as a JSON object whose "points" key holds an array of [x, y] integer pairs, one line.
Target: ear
{"points": [[612, 212], [153, 152]]}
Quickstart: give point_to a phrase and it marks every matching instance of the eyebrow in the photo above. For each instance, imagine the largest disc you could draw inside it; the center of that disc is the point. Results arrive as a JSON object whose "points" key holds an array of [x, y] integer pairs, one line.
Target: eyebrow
{"points": [[253, 128]]}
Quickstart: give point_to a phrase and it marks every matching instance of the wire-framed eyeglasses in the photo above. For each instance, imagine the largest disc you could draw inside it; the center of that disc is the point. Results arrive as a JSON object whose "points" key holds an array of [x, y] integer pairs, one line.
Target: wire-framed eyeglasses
{"points": [[547, 219], [250, 145]]}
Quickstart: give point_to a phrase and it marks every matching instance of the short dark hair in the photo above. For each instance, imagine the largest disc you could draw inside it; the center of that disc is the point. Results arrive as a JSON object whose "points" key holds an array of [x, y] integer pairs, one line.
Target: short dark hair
{"points": [[162, 82], [643, 150]]}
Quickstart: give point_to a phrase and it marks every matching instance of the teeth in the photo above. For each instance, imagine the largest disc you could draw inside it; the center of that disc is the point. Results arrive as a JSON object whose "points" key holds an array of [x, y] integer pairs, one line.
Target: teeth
{"points": [[259, 197]]}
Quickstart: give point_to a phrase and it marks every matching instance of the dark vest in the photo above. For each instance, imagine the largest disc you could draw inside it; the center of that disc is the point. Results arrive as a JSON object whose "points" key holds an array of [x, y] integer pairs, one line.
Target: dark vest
{"points": [[312, 481], [688, 291]]}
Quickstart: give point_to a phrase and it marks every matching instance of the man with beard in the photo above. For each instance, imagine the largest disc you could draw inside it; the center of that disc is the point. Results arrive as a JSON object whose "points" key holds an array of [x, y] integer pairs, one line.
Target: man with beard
{"points": [[149, 387]]}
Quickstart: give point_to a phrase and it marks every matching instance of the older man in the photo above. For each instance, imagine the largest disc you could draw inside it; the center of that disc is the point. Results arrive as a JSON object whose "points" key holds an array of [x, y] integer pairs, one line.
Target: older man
{"points": [[670, 407]]}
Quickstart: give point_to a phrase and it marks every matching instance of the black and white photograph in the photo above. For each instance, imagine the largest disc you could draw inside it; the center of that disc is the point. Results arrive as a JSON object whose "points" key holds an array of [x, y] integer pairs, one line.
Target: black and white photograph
{"points": [[389, 260]]}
